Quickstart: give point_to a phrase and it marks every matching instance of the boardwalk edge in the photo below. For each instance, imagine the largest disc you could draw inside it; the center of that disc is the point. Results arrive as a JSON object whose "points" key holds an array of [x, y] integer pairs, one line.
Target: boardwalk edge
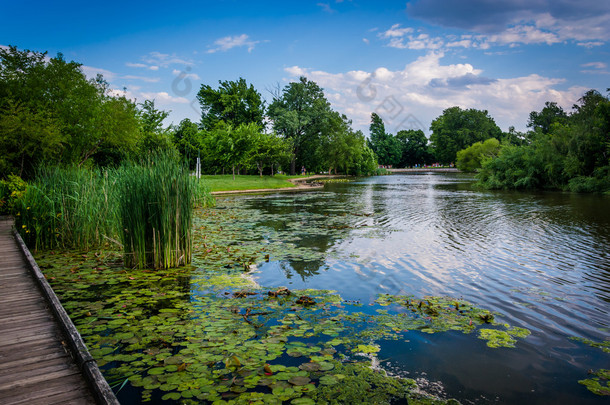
{"points": [[101, 390]]}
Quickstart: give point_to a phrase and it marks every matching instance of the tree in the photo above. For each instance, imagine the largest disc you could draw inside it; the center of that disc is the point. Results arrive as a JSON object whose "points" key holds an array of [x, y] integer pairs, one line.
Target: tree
{"points": [[154, 137], [77, 120], [188, 140], [543, 120], [234, 102], [469, 159], [456, 129], [386, 146], [302, 114], [413, 146]]}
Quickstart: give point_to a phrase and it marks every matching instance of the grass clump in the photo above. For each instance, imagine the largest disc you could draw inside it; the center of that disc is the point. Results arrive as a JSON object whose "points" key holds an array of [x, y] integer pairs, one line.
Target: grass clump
{"points": [[67, 208], [155, 209]]}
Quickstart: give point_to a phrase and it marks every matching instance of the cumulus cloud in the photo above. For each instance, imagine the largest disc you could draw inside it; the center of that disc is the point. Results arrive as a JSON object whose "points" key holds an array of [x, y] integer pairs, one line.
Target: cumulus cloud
{"points": [[142, 65], [418, 93], [407, 38], [230, 42], [518, 21]]}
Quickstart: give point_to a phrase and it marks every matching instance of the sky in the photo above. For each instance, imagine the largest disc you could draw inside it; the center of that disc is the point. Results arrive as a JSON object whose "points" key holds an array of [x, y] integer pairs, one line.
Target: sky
{"points": [[406, 61]]}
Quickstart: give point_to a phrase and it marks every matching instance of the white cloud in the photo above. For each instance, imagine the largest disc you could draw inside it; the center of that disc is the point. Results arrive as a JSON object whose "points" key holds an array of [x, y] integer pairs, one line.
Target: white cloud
{"points": [[423, 88], [596, 65], [326, 7], [366, 41], [141, 65], [396, 31], [164, 98], [185, 75], [156, 59], [406, 38], [590, 44], [142, 78], [91, 72], [230, 42]]}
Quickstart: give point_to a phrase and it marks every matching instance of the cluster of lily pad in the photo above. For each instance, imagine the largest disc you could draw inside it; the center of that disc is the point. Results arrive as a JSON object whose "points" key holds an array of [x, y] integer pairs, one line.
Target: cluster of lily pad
{"points": [[208, 333], [599, 381]]}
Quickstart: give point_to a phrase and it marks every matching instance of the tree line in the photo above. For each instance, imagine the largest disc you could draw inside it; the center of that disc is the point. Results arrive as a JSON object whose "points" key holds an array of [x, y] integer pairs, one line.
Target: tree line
{"points": [[51, 113]]}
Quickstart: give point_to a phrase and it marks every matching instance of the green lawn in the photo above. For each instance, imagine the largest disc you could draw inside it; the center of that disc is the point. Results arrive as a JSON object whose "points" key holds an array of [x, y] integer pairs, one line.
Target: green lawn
{"points": [[226, 183]]}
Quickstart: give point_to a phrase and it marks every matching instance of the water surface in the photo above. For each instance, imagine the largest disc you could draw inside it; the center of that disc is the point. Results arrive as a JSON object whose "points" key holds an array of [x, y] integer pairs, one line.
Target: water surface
{"points": [[542, 260]]}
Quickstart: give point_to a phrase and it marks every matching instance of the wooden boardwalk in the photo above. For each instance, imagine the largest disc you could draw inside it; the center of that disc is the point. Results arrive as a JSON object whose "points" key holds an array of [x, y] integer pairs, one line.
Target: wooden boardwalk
{"points": [[36, 366]]}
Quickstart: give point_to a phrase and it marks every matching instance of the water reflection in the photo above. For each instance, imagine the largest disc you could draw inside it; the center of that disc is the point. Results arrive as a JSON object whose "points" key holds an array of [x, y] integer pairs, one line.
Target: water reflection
{"points": [[540, 259]]}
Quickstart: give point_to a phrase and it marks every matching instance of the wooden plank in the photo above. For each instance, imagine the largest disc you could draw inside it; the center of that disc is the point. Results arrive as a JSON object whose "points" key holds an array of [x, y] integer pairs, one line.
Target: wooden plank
{"points": [[35, 366]]}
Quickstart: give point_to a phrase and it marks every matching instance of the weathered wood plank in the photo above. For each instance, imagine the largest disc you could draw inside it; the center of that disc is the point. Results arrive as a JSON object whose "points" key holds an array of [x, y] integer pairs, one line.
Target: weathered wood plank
{"points": [[35, 365]]}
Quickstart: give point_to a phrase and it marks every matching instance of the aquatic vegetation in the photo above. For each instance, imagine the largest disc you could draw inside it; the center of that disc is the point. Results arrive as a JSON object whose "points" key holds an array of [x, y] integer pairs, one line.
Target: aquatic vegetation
{"points": [[603, 345], [208, 332], [68, 208], [599, 384], [155, 209]]}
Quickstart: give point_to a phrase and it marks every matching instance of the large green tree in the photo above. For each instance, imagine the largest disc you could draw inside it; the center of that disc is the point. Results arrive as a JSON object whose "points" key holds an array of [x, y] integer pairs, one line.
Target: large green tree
{"points": [[385, 145], [233, 102], [549, 115], [302, 113], [50, 112], [414, 147], [456, 129]]}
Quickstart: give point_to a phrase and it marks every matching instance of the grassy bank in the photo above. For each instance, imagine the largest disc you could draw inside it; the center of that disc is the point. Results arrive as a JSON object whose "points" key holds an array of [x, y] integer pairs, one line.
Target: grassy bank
{"points": [[226, 182]]}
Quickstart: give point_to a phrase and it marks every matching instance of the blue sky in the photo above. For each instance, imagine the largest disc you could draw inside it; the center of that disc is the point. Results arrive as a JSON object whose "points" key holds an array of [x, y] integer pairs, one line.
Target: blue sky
{"points": [[407, 61]]}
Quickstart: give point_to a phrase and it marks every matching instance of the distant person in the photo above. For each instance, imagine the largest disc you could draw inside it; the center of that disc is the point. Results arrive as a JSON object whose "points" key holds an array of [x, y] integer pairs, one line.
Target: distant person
{"points": [[303, 170]]}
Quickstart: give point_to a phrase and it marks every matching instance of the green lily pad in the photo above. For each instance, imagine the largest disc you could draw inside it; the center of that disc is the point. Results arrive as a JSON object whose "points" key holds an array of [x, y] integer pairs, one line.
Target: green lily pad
{"points": [[299, 380]]}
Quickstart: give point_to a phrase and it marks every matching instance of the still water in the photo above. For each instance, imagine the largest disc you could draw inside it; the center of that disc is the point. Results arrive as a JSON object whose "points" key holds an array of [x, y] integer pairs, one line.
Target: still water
{"points": [[541, 260]]}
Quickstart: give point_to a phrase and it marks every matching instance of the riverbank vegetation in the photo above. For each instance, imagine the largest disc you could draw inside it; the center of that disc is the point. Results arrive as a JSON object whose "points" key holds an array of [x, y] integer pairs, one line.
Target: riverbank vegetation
{"points": [[562, 151]]}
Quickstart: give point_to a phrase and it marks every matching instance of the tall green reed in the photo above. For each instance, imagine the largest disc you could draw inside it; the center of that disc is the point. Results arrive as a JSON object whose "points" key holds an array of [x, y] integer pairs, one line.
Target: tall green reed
{"points": [[68, 208], [155, 203]]}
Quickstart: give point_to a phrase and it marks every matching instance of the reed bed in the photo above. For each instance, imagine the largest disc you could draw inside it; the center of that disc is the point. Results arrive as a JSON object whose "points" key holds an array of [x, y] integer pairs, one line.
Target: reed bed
{"points": [[144, 208], [68, 208], [155, 208]]}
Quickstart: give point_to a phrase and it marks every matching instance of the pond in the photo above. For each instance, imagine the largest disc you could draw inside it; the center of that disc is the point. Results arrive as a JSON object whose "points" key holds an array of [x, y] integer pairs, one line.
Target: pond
{"points": [[527, 318], [540, 259]]}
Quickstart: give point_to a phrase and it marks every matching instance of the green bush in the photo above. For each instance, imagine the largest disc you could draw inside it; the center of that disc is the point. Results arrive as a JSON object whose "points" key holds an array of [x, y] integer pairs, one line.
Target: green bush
{"points": [[11, 190]]}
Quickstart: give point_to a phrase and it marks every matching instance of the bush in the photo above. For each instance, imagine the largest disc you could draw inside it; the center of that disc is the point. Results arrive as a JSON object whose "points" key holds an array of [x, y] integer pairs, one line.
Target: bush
{"points": [[11, 190]]}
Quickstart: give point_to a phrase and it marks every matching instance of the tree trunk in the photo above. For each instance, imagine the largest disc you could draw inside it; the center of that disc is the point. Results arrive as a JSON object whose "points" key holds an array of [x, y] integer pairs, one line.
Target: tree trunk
{"points": [[233, 172]]}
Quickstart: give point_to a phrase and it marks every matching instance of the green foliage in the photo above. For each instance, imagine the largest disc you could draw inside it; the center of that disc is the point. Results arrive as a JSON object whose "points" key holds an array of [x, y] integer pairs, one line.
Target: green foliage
{"points": [[51, 113], [155, 208], [68, 208], [457, 129], [543, 121], [302, 113], [469, 159], [386, 146], [11, 190], [234, 103], [203, 195], [572, 156], [154, 138], [414, 147]]}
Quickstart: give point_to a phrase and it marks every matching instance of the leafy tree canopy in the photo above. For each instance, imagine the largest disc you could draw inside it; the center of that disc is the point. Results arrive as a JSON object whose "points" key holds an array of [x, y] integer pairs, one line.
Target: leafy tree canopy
{"points": [[233, 102], [457, 129]]}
